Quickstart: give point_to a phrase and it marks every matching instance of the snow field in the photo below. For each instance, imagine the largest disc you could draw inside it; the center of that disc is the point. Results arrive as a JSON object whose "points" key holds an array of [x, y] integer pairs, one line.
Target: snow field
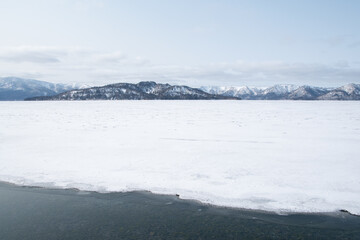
{"points": [[285, 156]]}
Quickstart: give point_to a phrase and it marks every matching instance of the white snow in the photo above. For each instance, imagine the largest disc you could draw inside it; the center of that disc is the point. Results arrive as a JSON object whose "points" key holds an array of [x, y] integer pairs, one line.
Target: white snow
{"points": [[280, 89], [351, 88], [270, 155], [233, 91]]}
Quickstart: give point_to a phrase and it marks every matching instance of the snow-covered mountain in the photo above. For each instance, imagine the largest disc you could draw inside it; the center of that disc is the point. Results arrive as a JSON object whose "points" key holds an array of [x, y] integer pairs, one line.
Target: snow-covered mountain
{"points": [[251, 93], [347, 92], [307, 93], [277, 91], [13, 88], [129, 91], [243, 92], [289, 92]]}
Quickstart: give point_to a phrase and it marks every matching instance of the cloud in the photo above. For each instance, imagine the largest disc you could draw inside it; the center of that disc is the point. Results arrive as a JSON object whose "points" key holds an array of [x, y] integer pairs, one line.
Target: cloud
{"points": [[263, 74], [86, 4], [336, 40], [76, 64], [119, 58], [350, 41], [354, 44], [37, 54], [25, 54], [110, 57], [237, 74]]}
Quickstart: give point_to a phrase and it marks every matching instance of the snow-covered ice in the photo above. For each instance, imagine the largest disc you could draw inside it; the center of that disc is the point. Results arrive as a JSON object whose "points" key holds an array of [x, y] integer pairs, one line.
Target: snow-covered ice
{"points": [[270, 155]]}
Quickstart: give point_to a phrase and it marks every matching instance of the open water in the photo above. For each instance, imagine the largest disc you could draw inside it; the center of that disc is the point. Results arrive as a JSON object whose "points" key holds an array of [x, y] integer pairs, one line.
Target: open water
{"points": [[46, 214]]}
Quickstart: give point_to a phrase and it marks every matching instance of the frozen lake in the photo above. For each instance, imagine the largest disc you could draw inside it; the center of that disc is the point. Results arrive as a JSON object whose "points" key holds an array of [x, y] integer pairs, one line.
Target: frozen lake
{"points": [[270, 155]]}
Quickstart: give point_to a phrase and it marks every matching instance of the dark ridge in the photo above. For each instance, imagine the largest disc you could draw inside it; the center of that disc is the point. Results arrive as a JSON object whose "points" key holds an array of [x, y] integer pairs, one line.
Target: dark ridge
{"points": [[139, 91]]}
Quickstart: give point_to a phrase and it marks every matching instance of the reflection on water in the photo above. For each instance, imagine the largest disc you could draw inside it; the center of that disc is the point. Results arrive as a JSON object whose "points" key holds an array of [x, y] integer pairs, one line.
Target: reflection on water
{"points": [[34, 213]]}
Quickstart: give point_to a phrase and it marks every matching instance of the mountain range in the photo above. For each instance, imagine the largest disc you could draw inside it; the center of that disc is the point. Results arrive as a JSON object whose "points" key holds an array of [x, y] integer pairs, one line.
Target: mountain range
{"points": [[13, 88], [289, 92], [139, 91]]}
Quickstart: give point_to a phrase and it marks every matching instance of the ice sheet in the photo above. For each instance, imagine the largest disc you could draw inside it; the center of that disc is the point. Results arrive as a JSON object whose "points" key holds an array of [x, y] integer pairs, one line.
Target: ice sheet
{"points": [[269, 155]]}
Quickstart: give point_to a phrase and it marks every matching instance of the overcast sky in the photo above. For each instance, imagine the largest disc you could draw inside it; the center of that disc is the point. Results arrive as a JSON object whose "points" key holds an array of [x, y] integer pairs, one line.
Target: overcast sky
{"points": [[192, 42]]}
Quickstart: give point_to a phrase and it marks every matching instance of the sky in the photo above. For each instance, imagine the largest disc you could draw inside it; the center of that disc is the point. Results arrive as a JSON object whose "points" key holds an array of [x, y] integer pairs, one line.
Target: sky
{"points": [[188, 42]]}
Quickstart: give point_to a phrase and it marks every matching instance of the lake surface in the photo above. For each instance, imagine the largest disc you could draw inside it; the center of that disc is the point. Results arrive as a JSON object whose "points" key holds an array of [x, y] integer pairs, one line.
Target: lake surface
{"points": [[283, 156], [42, 214]]}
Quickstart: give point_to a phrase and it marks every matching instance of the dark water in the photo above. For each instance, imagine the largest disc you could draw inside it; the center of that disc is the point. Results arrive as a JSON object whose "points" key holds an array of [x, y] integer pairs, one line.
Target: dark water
{"points": [[35, 213]]}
